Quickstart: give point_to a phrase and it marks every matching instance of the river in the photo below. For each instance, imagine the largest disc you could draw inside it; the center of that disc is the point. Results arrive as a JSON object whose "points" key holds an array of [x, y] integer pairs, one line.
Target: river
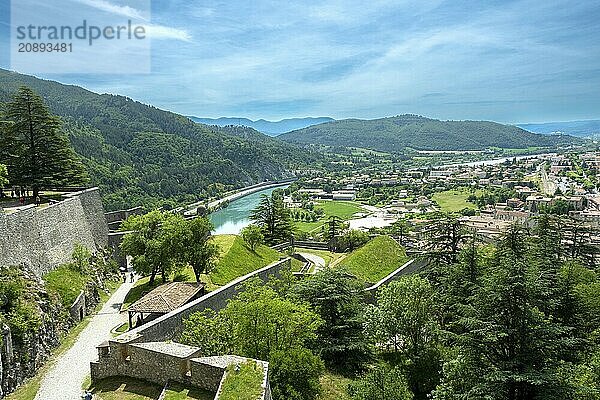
{"points": [[236, 216]]}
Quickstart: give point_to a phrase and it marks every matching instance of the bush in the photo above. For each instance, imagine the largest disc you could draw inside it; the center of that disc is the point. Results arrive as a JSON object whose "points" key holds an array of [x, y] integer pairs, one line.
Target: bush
{"points": [[11, 289], [23, 319], [295, 374], [81, 258], [382, 383]]}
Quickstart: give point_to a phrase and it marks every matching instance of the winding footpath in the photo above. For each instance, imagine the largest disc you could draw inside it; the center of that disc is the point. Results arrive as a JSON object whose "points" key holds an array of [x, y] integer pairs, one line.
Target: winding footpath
{"points": [[64, 379]]}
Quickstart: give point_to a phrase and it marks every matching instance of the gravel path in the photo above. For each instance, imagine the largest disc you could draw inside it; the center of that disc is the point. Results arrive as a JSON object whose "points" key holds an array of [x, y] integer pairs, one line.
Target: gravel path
{"points": [[317, 261], [63, 381]]}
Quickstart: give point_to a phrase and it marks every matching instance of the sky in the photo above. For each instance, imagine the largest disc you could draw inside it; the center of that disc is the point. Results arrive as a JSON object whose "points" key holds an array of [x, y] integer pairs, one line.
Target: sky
{"points": [[508, 61]]}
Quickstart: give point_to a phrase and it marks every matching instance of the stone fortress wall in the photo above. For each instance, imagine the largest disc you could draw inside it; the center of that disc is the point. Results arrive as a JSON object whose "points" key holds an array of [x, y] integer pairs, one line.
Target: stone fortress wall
{"points": [[147, 353], [43, 238]]}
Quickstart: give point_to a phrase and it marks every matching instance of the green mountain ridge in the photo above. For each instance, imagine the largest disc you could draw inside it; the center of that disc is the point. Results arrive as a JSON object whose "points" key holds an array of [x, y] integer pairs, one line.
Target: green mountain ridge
{"points": [[395, 134], [141, 155]]}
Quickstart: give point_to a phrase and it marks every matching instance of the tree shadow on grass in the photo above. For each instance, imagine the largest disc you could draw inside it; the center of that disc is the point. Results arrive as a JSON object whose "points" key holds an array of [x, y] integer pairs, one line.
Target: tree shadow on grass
{"points": [[124, 388]]}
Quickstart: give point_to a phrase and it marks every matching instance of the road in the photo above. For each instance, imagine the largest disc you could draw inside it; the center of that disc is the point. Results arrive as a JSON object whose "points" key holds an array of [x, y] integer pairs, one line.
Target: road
{"points": [[63, 381], [318, 262]]}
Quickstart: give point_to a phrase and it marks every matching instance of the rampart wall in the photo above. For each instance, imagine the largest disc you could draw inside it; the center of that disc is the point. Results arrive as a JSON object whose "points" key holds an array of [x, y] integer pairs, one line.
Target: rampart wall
{"points": [[42, 238], [148, 352]]}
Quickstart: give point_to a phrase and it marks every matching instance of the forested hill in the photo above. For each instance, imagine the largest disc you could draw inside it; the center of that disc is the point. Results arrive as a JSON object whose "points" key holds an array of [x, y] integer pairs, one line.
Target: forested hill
{"points": [[271, 128], [139, 154], [394, 134]]}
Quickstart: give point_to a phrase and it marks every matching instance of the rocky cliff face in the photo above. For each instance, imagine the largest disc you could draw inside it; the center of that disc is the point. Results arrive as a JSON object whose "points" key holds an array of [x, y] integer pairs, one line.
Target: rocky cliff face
{"points": [[23, 351]]}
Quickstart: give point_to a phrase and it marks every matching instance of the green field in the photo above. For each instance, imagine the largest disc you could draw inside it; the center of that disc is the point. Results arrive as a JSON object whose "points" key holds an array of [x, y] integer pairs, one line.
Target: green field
{"points": [[375, 260], [342, 209], [453, 200]]}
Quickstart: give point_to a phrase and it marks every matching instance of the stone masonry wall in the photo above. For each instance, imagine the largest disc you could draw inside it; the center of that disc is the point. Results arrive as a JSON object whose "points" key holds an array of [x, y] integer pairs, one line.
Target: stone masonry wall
{"points": [[43, 238], [170, 326], [408, 268], [126, 354], [160, 364]]}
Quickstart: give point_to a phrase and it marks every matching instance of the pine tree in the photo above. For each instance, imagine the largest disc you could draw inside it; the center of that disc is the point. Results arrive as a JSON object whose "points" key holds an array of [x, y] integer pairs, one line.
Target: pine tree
{"points": [[273, 218], [34, 148]]}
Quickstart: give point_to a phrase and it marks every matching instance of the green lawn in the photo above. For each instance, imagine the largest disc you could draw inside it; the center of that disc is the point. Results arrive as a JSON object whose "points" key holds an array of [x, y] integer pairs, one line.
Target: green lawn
{"points": [[177, 391], [242, 384], [238, 260], [342, 209], [453, 200], [66, 282], [375, 260], [122, 388]]}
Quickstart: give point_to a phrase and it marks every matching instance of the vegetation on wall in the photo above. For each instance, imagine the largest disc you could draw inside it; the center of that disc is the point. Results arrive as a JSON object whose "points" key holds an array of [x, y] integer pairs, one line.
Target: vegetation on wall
{"points": [[18, 307], [242, 382]]}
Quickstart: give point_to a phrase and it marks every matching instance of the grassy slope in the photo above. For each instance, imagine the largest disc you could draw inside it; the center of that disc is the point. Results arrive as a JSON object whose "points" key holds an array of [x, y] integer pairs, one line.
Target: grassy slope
{"points": [[67, 282], [235, 260], [375, 260], [238, 260]]}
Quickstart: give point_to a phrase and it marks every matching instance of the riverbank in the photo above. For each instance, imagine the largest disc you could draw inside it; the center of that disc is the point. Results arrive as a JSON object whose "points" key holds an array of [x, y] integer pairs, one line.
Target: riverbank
{"points": [[215, 205]]}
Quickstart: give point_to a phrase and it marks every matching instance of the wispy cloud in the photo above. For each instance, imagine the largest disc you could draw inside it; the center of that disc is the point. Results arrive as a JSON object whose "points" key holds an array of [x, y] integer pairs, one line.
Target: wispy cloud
{"points": [[125, 11], [167, 32], [512, 60]]}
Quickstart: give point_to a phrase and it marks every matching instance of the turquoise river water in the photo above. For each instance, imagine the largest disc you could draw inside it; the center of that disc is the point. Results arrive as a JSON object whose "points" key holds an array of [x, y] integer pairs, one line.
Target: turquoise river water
{"points": [[236, 216]]}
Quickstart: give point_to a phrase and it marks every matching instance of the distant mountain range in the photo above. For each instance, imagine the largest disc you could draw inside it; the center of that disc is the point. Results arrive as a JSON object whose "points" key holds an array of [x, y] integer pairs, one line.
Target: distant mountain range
{"points": [[584, 128], [141, 155], [271, 128], [395, 134]]}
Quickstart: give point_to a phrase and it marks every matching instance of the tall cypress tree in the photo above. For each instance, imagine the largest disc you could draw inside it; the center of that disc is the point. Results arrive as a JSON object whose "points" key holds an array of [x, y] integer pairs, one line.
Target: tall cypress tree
{"points": [[37, 152]]}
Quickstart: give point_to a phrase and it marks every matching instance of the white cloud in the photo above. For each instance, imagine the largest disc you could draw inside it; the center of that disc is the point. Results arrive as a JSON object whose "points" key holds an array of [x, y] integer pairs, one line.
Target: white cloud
{"points": [[106, 6], [167, 32]]}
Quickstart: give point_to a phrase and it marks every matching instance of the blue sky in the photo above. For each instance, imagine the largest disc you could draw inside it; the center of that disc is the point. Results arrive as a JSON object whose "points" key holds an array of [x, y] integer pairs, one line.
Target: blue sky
{"points": [[508, 61]]}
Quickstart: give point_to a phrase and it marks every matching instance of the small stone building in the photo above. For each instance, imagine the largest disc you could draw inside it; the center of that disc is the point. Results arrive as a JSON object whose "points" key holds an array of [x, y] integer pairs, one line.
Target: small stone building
{"points": [[163, 300]]}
